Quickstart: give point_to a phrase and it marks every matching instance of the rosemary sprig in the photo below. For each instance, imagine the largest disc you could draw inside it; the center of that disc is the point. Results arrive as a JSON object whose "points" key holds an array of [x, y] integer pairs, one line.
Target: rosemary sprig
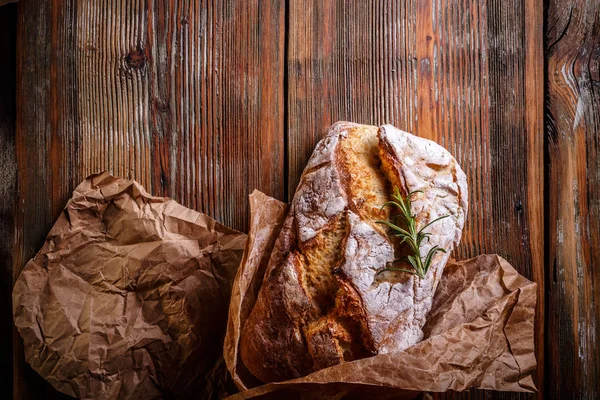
{"points": [[410, 235]]}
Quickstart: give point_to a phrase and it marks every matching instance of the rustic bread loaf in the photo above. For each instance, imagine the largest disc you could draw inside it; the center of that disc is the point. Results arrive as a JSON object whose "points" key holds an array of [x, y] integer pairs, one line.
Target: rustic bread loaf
{"points": [[322, 302]]}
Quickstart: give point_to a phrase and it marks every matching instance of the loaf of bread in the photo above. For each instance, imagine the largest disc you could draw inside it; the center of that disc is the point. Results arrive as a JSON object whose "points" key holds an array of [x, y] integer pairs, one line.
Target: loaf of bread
{"points": [[322, 301]]}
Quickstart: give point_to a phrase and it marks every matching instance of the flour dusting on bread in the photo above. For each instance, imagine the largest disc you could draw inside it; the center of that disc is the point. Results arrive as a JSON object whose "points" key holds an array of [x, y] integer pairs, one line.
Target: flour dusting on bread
{"points": [[322, 302]]}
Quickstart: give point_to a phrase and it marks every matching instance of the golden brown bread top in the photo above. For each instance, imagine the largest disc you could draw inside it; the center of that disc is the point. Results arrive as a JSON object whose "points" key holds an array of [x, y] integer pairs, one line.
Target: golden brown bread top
{"points": [[321, 302]]}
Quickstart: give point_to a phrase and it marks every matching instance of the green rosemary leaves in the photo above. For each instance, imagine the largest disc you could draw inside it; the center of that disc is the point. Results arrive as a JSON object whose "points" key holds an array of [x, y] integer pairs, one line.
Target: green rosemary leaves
{"points": [[410, 235]]}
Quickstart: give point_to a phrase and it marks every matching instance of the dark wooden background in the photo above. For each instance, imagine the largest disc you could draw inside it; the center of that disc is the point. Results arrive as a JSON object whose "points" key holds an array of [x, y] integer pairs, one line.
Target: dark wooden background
{"points": [[203, 101]]}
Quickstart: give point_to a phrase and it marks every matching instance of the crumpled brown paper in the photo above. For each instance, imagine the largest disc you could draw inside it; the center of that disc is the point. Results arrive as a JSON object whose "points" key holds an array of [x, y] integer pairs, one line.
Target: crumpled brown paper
{"points": [[128, 298], [479, 334]]}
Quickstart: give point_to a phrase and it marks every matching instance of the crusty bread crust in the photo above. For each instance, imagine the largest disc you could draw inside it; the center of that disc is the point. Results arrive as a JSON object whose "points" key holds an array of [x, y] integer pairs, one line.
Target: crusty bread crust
{"points": [[322, 302]]}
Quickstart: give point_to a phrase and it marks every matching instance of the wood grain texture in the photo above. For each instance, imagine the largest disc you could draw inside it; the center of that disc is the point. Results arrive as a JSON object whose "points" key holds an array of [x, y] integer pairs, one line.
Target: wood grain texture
{"points": [[534, 125], [8, 186], [186, 97], [35, 187], [573, 180], [455, 72]]}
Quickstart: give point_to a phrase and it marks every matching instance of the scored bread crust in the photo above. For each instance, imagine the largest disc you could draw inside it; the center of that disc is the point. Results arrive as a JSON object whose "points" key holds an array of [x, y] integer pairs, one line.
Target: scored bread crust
{"points": [[322, 302]]}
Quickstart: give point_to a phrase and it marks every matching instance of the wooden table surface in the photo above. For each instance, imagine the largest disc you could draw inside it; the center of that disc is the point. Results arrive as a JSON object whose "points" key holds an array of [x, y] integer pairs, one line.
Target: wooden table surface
{"points": [[204, 101]]}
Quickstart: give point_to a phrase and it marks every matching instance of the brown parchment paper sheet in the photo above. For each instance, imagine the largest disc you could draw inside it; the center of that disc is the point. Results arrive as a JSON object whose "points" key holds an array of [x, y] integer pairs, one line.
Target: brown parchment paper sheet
{"points": [[479, 334], [128, 298]]}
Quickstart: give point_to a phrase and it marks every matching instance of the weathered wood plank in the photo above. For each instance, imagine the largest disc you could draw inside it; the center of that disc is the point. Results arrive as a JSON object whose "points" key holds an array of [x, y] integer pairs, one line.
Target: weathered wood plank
{"points": [[8, 187], [534, 125], [186, 97], [573, 131], [36, 189], [455, 72]]}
